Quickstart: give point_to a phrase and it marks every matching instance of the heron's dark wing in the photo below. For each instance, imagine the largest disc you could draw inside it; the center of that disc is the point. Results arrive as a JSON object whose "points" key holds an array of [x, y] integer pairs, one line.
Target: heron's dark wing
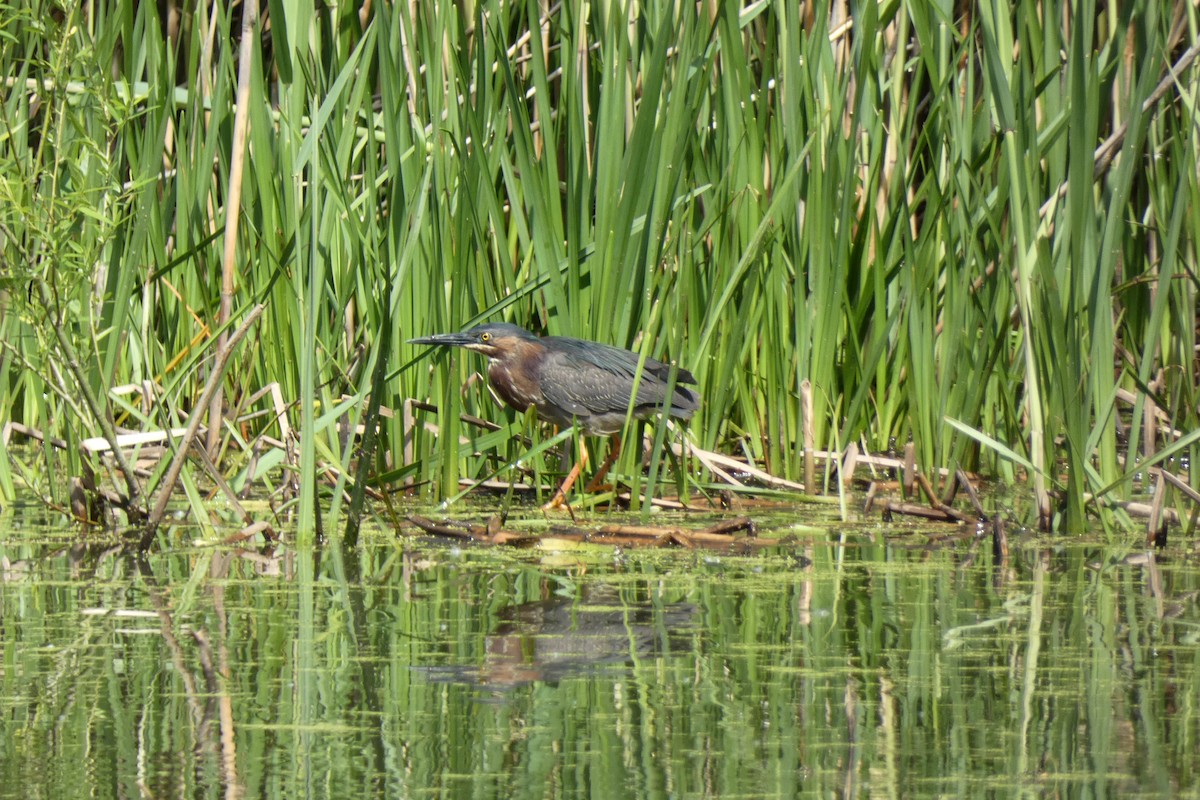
{"points": [[614, 359], [582, 388], [652, 390], [599, 381]]}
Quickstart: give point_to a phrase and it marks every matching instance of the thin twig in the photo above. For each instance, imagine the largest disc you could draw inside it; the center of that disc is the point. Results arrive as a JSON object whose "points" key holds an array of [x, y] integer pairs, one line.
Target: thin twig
{"points": [[214, 380]]}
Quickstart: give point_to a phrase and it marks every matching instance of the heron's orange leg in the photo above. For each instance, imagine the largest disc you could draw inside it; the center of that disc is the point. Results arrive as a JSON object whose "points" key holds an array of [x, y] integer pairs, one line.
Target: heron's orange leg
{"points": [[614, 450], [560, 497]]}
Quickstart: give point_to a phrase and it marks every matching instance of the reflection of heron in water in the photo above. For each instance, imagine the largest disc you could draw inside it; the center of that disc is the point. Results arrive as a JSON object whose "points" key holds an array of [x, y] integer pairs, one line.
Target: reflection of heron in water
{"points": [[557, 638]]}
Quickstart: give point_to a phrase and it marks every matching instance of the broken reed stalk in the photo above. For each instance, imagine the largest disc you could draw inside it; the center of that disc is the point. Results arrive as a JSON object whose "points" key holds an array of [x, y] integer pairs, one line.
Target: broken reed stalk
{"points": [[810, 465], [214, 380]]}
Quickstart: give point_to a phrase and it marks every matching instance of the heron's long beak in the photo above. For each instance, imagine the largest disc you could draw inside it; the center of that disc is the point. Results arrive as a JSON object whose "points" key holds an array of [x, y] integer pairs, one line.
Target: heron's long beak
{"points": [[445, 339]]}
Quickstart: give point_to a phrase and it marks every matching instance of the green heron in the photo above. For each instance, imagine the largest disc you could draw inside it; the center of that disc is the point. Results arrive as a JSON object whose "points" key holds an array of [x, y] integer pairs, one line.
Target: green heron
{"points": [[573, 382]]}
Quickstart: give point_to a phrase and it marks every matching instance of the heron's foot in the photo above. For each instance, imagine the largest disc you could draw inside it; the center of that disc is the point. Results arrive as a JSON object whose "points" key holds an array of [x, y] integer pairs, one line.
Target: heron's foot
{"points": [[556, 503], [559, 503], [560, 497]]}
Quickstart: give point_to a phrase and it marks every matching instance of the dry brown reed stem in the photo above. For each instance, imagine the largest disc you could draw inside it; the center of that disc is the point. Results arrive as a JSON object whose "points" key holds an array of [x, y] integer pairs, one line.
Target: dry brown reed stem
{"points": [[810, 436], [233, 205]]}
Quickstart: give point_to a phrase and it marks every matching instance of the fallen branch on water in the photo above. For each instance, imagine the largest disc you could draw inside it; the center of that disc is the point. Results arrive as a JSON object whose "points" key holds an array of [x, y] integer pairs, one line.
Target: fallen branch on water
{"points": [[717, 535]]}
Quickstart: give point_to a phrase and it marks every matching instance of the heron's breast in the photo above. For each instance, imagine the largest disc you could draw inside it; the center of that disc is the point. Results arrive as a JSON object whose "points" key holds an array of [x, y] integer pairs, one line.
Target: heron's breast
{"points": [[515, 387]]}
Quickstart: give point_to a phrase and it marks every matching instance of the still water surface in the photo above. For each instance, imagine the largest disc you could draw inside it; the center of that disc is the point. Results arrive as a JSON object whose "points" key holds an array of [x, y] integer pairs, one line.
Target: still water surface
{"points": [[845, 663]]}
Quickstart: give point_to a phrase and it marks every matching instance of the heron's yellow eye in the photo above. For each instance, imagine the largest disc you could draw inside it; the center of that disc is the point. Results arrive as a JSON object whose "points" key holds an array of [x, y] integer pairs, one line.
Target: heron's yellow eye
{"points": [[485, 337]]}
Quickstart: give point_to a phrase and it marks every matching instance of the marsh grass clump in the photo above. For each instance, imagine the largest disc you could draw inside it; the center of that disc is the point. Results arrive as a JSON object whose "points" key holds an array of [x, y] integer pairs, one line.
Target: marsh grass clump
{"points": [[975, 232]]}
